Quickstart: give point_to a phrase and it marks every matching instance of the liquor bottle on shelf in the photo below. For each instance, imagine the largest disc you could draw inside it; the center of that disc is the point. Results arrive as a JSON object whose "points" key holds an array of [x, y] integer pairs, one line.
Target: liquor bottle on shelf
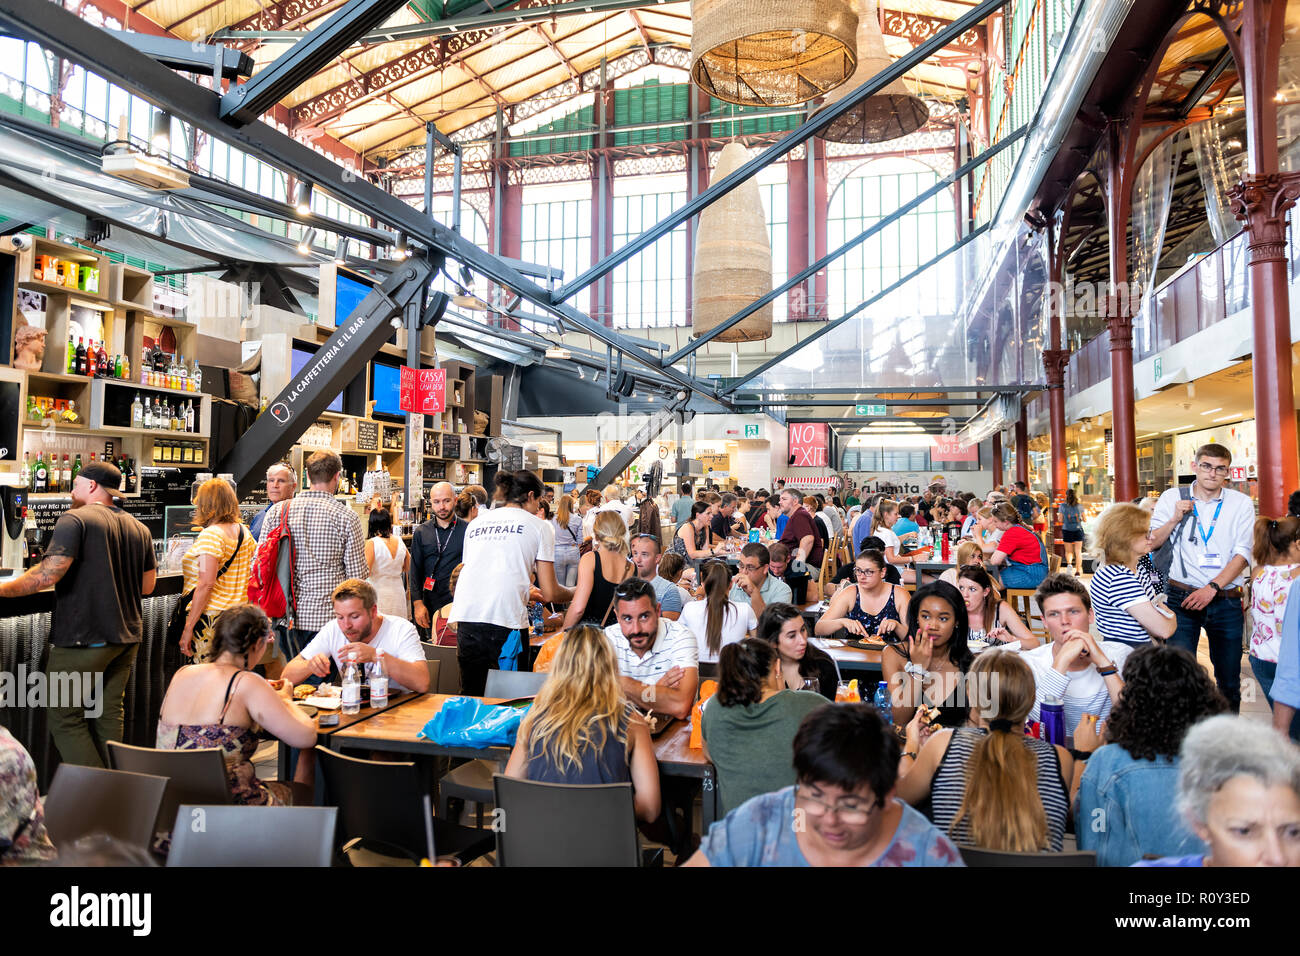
{"points": [[174, 411], [182, 374], [71, 364], [189, 416], [52, 484], [137, 413], [40, 475], [65, 475], [117, 366], [126, 369], [25, 473], [102, 368], [76, 467], [196, 377], [159, 413], [353, 487], [147, 414], [132, 479]]}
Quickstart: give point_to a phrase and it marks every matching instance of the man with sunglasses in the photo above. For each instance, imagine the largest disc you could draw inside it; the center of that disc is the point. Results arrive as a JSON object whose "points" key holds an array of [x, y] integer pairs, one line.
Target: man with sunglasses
{"points": [[1212, 551]]}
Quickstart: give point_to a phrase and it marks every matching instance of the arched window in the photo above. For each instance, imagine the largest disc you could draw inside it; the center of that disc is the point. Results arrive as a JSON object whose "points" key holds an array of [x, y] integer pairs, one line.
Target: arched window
{"points": [[870, 193]]}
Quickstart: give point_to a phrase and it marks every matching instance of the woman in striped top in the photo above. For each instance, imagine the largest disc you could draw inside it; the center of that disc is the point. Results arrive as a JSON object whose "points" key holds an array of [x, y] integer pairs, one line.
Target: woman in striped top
{"points": [[1124, 603], [989, 785]]}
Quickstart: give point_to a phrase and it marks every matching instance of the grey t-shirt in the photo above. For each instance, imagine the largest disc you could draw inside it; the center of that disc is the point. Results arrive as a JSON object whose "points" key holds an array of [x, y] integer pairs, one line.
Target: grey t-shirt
{"points": [[667, 594], [98, 600], [750, 745]]}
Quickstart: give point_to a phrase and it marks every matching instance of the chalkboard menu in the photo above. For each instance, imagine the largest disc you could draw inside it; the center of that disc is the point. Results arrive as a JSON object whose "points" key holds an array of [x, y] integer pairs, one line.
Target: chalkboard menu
{"points": [[451, 446], [367, 435], [160, 488]]}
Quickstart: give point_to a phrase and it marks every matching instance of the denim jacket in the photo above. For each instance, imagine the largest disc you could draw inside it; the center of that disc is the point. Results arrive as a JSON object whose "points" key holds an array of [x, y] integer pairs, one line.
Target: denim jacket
{"points": [[1126, 809]]}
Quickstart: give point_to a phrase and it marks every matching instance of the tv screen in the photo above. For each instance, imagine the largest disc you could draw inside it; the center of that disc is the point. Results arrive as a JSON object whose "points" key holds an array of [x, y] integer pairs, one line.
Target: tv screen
{"points": [[385, 388], [302, 357], [348, 293]]}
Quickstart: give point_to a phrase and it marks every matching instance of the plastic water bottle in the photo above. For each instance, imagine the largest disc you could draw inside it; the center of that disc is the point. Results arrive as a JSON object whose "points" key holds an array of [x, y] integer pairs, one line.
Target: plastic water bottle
{"points": [[535, 613], [378, 682], [351, 686], [884, 706]]}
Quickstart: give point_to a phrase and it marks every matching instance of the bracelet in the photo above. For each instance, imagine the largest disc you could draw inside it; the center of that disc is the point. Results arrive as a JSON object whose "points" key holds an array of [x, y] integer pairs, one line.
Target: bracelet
{"points": [[1108, 671], [1080, 754], [909, 753]]}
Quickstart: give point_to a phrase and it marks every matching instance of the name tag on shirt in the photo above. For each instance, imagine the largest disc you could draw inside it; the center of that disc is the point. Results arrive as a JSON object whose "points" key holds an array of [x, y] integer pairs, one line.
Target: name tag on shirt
{"points": [[1210, 559], [428, 583]]}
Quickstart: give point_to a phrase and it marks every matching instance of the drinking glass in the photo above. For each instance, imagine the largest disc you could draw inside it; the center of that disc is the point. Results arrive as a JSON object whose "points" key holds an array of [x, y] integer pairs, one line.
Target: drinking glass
{"points": [[815, 685]]}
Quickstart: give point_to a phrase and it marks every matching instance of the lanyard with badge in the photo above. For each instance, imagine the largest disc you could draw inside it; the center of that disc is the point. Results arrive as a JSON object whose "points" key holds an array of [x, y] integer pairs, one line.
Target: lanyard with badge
{"points": [[429, 581], [1209, 559]]}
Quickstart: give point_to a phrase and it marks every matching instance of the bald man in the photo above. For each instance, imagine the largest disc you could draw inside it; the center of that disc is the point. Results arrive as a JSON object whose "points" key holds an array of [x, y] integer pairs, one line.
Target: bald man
{"points": [[435, 552]]}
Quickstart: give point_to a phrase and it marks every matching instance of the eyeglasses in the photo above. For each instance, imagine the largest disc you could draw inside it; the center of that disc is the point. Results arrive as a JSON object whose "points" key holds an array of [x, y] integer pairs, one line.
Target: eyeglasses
{"points": [[854, 816], [1205, 466], [864, 572]]}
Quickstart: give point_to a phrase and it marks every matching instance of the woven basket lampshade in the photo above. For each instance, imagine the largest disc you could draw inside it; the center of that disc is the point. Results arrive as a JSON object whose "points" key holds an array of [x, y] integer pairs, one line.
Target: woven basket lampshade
{"points": [[892, 112], [771, 52], [733, 259]]}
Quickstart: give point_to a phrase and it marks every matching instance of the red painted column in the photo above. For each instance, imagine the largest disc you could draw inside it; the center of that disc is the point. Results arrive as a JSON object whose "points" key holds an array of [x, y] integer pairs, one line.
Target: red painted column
{"points": [[1261, 201], [1022, 447], [821, 205], [997, 459], [1120, 322], [1055, 361], [797, 220]]}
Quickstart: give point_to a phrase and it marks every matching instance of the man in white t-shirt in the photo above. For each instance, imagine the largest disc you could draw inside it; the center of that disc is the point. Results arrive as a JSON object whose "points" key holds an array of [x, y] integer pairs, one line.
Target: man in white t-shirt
{"points": [[503, 549], [1074, 667], [359, 629], [658, 659]]}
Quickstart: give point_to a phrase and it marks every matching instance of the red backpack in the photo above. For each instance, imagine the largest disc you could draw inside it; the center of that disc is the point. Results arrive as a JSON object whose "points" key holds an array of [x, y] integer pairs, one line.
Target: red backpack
{"points": [[270, 586]]}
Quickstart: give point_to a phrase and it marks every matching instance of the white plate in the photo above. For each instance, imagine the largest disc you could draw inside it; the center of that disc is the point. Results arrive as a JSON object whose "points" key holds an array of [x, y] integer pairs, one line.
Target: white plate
{"points": [[325, 703]]}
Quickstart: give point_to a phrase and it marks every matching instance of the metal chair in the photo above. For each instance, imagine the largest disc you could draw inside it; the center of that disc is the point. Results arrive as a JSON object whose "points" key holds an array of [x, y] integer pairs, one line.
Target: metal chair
{"points": [[386, 815], [193, 776], [253, 836], [974, 856], [449, 671], [85, 800], [552, 824], [435, 667], [472, 781]]}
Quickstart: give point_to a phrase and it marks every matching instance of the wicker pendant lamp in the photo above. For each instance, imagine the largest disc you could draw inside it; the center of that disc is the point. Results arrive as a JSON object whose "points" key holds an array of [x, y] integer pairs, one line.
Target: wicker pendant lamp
{"points": [[892, 112], [771, 52], [733, 259]]}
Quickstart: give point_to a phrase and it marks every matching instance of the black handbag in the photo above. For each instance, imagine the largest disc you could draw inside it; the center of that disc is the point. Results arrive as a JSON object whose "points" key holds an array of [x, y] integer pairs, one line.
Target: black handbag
{"points": [[181, 612]]}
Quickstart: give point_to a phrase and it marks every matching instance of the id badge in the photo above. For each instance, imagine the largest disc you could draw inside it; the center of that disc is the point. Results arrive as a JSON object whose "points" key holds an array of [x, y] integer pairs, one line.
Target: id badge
{"points": [[1210, 560], [428, 583]]}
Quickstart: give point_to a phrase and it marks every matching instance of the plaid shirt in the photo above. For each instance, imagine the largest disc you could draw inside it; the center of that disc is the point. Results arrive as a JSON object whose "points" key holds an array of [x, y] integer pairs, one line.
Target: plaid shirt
{"points": [[328, 549]]}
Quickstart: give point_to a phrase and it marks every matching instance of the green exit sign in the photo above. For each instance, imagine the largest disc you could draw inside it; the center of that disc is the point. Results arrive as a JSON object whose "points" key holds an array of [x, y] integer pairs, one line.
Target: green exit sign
{"points": [[751, 431], [875, 411]]}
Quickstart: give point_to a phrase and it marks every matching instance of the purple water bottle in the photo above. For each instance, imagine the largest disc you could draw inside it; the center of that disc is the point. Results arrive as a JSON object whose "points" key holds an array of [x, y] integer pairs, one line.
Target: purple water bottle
{"points": [[1052, 715]]}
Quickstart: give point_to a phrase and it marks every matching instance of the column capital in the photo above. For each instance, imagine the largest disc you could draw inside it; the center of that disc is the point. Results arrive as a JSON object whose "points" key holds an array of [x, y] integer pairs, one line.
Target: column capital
{"points": [[1054, 364], [1120, 327], [1261, 202]]}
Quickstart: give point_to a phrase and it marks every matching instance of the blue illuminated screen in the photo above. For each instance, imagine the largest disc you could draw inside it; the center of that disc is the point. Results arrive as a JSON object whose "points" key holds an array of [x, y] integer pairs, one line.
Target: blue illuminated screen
{"points": [[385, 388], [348, 293]]}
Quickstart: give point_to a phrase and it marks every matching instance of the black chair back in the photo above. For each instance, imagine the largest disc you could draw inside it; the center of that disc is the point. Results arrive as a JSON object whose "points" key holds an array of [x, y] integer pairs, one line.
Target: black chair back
{"points": [[193, 776], [378, 801], [85, 800], [448, 670], [552, 824], [974, 856], [253, 836]]}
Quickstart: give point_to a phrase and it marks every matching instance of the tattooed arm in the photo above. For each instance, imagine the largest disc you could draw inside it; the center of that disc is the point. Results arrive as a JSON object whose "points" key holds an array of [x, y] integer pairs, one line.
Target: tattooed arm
{"points": [[44, 575]]}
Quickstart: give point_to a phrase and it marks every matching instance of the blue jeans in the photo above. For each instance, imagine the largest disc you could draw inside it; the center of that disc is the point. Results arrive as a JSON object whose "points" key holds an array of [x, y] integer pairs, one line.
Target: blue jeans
{"points": [[1222, 621], [1023, 575], [1265, 672]]}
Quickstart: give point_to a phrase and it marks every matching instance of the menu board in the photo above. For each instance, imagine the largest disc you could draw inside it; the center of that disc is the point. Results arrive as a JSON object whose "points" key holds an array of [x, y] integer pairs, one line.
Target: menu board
{"points": [[160, 488], [451, 446], [367, 435]]}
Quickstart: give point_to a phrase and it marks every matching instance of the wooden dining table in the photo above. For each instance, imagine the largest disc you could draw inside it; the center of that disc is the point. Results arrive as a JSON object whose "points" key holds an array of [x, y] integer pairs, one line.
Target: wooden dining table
{"points": [[847, 658]]}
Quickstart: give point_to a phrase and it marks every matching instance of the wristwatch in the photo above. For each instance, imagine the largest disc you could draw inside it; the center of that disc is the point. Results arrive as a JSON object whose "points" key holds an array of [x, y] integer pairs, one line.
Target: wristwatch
{"points": [[1217, 586]]}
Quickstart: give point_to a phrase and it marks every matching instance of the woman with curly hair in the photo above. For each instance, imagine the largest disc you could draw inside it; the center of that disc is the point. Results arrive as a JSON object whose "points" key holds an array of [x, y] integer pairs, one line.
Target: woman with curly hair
{"points": [[1126, 806]]}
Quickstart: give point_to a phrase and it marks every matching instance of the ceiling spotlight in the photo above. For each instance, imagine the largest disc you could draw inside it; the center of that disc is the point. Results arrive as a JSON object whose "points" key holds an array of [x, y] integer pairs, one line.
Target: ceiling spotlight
{"points": [[161, 139], [399, 248], [581, 374], [304, 244], [341, 253], [304, 198]]}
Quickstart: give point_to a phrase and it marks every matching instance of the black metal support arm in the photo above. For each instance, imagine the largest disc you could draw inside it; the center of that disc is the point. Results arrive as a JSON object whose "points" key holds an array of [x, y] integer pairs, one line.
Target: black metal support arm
{"points": [[639, 442], [964, 170], [335, 364], [246, 102], [190, 57]]}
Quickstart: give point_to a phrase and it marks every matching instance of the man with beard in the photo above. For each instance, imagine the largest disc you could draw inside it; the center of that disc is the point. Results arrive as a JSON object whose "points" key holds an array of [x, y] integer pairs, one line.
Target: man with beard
{"points": [[435, 551], [658, 659], [100, 563]]}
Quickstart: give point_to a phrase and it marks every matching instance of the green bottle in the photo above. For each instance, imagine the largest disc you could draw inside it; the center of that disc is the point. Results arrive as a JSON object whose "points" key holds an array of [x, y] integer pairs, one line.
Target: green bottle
{"points": [[76, 467]]}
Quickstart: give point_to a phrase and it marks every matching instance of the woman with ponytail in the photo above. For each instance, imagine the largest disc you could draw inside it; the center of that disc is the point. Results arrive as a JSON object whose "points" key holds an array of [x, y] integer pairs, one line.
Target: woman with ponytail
{"points": [[1277, 565], [989, 785], [600, 571], [218, 704], [750, 723], [717, 620]]}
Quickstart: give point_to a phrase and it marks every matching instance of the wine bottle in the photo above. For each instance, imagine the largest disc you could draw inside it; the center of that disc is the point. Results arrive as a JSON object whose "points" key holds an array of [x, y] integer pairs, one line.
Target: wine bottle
{"points": [[72, 357], [40, 475], [80, 368], [65, 476], [102, 368], [76, 467]]}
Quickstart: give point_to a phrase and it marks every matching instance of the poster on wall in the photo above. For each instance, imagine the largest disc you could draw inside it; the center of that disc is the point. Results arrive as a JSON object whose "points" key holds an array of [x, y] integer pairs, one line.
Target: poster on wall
{"points": [[1238, 439], [809, 445]]}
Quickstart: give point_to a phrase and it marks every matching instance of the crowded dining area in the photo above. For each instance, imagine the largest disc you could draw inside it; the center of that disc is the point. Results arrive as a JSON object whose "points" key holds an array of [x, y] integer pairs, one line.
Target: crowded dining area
{"points": [[711, 434]]}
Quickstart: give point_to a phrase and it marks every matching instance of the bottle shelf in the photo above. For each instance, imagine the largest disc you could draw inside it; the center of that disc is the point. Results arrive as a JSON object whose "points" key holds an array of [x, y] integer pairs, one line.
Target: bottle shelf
{"points": [[128, 383]]}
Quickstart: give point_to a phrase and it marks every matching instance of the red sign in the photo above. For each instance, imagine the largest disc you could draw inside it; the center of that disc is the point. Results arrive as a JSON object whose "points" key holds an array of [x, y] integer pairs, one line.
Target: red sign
{"points": [[422, 391], [951, 448], [808, 445]]}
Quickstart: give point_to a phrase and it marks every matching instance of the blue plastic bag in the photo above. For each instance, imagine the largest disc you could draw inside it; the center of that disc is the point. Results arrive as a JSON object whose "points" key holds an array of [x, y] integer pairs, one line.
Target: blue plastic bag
{"points": [[467, 722], [510, 651]]}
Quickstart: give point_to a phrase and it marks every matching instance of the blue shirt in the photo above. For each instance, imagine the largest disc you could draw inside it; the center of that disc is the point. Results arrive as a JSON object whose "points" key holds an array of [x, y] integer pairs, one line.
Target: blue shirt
{"points": [[861, 531], [1286, 685], [255, 527], [1126, 809], [781, 519], [760, 832], [904, 527], [667, 594], [1173, 861]]}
